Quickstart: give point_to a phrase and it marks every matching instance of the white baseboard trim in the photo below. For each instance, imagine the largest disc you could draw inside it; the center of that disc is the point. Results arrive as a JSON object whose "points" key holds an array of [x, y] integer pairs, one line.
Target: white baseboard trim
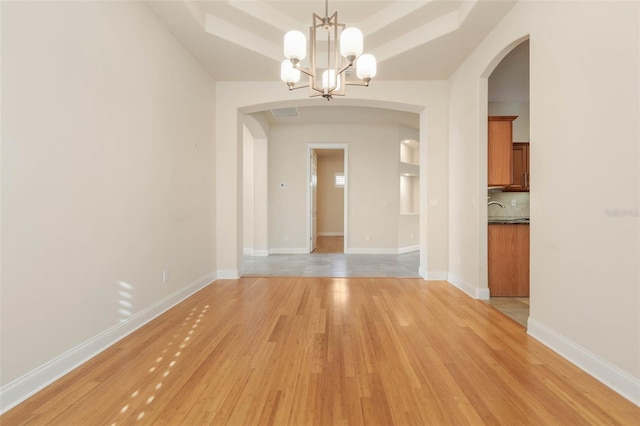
{"points": [[437, 275], [330, 234], [228, 274], [483, 293], [22, 388], [372, 251], [255, 252], [422, 272], [408, 249], [476, 293], [618, 380], [299, 250]]}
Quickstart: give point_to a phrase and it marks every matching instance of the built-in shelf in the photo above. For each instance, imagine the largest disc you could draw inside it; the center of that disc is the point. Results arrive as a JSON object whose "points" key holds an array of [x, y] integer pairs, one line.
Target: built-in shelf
{"points": [[409, 177]]}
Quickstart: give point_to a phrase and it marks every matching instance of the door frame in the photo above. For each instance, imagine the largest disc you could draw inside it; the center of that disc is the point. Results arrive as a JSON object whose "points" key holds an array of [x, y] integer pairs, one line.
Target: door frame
{"points": [[317, 146]]}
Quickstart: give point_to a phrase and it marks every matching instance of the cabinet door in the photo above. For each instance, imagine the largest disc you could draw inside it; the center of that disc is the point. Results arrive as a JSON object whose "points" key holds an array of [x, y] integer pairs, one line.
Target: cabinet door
{"points": [[500, 150], [508, 260], [520, 167]]}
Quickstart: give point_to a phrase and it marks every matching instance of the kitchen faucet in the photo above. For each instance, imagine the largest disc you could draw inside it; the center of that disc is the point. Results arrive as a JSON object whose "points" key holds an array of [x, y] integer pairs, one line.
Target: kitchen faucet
{"points": [[496, 202]]}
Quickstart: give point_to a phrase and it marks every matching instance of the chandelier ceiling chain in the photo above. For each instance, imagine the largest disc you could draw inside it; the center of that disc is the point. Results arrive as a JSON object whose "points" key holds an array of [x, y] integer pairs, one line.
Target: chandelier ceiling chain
{"points": [[326, 78]]}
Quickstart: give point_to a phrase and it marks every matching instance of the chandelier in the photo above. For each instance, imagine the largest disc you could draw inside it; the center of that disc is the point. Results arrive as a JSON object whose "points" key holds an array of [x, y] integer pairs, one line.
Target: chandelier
{"points": [[334, 49]]}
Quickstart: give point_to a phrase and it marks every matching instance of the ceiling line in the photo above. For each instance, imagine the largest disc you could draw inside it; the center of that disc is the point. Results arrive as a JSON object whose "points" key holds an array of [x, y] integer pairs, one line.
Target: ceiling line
{"points": [[241, 37], [419, 36], [390, 15], [267, 14]]}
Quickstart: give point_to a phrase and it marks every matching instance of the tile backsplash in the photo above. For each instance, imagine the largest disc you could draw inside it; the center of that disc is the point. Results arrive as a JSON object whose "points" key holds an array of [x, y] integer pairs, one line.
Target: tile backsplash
{"points": [[521, 208]]}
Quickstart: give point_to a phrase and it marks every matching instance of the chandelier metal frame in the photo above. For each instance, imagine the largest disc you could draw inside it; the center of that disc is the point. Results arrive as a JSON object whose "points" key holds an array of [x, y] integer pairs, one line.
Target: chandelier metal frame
{"points": [[331, 80]]}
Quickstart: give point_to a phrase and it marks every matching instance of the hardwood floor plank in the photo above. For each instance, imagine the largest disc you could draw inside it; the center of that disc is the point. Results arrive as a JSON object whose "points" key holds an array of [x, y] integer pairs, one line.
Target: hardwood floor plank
{"points": [[301, 351]]}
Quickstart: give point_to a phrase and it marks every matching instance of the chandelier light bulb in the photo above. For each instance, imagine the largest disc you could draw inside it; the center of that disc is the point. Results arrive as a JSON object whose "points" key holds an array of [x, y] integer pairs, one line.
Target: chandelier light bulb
{"points": [[351, 43], [329, 81], [295, 46], [366, 67], [288, 73]]}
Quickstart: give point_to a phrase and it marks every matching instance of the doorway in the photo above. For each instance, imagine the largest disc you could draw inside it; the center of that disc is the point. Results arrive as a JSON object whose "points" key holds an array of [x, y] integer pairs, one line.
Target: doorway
{"points": [[508, 207], [327, 195]]}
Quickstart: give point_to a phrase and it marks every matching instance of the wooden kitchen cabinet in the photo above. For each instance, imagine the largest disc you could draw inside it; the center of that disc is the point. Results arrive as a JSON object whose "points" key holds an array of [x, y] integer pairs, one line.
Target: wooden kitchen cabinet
{"points": [[508, 260], [520, 165], [500, 150]]}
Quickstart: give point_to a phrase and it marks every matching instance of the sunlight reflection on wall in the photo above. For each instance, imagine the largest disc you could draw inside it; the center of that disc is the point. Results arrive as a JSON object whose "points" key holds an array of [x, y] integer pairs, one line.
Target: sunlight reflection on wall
{"points": [[125, 300]]}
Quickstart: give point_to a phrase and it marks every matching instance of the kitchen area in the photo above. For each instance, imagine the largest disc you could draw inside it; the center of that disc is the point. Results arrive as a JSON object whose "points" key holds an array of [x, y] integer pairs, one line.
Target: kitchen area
{"points": [[508, 220], [508, 178]]}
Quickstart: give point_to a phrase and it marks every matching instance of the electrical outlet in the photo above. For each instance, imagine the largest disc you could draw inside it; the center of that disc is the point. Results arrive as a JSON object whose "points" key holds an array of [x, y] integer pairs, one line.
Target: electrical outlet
{"points": [[367, 237], [165, 276], [412, 236], [286, 238], [513, 203]]}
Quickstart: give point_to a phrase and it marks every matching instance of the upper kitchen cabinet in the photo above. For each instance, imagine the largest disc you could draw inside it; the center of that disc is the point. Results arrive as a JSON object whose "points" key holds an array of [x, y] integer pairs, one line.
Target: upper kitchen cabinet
{"points": [[520, 167], [500, 150]]}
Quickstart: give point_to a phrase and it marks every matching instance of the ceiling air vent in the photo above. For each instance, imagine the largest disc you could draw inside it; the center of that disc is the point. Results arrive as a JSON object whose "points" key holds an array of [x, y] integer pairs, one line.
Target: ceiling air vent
{"points": [[285, 112]]}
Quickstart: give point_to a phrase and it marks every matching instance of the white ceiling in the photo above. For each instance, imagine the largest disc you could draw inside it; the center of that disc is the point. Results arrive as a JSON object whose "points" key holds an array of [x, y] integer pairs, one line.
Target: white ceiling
{"points": [[241, 40]]}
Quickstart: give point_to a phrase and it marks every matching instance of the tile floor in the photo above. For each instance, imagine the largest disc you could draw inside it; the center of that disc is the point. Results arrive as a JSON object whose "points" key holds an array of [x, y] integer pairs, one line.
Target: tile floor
{"points": [[334, 265], [329, 261], [516, 308]]}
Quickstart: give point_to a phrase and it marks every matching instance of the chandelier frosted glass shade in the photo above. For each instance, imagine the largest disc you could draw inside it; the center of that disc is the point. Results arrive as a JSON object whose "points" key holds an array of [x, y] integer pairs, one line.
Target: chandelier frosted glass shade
{"points": [[333, 49], [330, 81], [366, 67], [295, 46], [288, 73], [351, 43]]}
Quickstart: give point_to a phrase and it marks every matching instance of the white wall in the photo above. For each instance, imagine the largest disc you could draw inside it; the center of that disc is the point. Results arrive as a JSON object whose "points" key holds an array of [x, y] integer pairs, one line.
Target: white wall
{"points": [[372, 183], [107, 177], [255, 176], [428, 98], [585, 296], [248, 190], [408, 236]]}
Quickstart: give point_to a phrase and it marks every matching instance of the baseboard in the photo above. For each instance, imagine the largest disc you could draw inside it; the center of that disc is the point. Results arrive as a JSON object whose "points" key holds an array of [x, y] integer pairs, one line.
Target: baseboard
{"points": [[330, 234], [372, 251], [408, 249], [298, 250], [228, 274], [476, 293], [255, 253], [618, 380], [436, 275], [22, 388]]}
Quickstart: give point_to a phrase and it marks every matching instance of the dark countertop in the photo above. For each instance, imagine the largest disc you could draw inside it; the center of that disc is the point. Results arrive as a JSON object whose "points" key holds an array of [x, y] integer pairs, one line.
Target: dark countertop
{"points": [[508, 220]]}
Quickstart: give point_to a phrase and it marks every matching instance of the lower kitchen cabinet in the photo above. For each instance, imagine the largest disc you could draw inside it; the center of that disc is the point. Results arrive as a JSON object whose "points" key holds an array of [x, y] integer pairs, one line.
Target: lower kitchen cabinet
{"points": [[509, 260]]}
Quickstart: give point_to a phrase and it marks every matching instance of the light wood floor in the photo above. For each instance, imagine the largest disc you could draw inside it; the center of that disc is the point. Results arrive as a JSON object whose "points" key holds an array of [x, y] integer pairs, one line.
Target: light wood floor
{"points": [[329, 244], [299, 351]]}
